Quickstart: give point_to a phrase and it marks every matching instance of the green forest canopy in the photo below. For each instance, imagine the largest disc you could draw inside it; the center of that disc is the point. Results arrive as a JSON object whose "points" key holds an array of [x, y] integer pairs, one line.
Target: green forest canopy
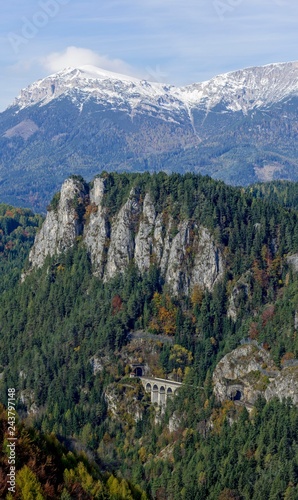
{"points": [[61, 315]]}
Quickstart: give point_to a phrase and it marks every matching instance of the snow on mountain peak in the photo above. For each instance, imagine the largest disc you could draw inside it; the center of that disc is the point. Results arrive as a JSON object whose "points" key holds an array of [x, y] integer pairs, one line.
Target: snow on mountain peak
{"points": [[100, 74], [247, 88], [241, 90], [88, 81]]}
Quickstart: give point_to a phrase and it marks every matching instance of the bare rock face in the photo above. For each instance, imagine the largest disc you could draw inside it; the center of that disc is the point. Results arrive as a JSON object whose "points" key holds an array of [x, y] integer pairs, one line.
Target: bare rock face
{"points": [[62, 224], [237, 375], [122, 244], [125, 401], [285, 385], [161, 241], [145, 237], [174, 422], [96, 231], [28, 399], [208, 266], [194, 259], [248, 371], [293, 261], [176, 277], [188, 258], [239, 292], [186, 253]]}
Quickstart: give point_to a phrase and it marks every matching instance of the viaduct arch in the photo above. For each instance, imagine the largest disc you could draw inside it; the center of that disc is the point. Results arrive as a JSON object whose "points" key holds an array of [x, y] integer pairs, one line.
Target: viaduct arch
{"points": [[160, 389]]}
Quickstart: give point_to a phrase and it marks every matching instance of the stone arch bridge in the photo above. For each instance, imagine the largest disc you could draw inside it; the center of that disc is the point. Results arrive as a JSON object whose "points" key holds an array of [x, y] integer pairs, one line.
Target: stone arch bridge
{"points": [[160, 389]]}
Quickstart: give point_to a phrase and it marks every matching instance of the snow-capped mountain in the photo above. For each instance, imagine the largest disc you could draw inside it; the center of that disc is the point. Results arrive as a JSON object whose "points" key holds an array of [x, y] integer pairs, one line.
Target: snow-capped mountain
{"points": [[242, 90], [247, 89], [240, 126], [88, 82]]}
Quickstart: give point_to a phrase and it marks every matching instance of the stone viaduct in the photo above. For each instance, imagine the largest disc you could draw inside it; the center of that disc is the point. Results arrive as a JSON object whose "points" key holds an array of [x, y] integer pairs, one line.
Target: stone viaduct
{"points": [[160, 389]]}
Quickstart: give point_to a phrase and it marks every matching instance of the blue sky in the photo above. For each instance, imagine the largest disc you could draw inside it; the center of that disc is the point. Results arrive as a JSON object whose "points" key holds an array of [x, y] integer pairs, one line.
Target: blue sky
{"points": [[161, 40]]}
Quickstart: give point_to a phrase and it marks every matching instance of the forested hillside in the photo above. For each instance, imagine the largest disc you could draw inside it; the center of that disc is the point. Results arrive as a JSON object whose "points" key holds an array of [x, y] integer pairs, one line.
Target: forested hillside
{"points": [[18, 227], [284, 193], [47, 470], [68, 344]]}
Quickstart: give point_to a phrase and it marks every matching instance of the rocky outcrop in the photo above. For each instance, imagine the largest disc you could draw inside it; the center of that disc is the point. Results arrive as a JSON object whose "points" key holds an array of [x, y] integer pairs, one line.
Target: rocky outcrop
{"points": [[125, 401], [248, 372], [145, 240], [96, 231], [208, 263], [285, 385], [27, 398], [193, 259], [174, 422], [293, 261], [176, 277], [185, 252], [122, 243], [239, 293], [62, 225], [100, 362]]}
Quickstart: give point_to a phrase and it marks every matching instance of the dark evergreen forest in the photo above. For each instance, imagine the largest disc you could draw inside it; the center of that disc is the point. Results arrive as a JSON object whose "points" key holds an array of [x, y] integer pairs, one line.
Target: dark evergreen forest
{"points": [[59, 317]]}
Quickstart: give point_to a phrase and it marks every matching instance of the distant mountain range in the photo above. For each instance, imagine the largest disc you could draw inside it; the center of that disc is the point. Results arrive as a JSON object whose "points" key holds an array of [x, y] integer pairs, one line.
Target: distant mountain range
{"points": [[240, 127]]}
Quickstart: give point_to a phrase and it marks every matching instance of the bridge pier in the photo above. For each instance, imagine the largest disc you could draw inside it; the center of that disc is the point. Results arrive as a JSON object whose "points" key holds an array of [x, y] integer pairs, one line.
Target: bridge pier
{"points": [[160, 389]]}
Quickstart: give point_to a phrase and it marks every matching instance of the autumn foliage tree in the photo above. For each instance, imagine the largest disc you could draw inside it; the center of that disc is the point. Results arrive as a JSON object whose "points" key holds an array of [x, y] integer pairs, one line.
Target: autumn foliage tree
{"points": [[165, 315], [253, 331], [197, 295], [267, 314], [116, 304]]}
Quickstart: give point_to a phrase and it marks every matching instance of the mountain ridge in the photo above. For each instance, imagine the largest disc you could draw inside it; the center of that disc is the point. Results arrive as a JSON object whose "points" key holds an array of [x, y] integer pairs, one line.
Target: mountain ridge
{"points": [[197, 94], [240, 127]]}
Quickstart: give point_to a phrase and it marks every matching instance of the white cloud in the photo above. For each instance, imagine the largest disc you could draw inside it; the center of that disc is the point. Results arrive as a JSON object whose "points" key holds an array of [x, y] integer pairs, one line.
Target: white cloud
{"points": [[77, 56]]}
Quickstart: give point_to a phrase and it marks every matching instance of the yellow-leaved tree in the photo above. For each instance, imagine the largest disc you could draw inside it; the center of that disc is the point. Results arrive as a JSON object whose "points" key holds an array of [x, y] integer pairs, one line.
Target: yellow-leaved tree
{"points": [[28, 484]]}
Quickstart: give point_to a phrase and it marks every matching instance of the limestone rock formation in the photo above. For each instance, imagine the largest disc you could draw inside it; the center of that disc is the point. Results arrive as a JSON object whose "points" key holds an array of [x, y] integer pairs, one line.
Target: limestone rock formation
{"points": [[62, 225], [240, 292], [96, 232], [185, 252], [248, 371], [122, 242], [193, 259], [208, 263], [293, 261], [145, 237], [285, 385], [125, 401], [27, 397], [174, 422]]}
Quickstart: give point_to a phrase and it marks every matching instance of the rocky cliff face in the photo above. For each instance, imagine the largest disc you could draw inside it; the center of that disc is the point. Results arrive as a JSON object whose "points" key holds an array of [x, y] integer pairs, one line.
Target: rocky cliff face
{"points": [[125, 401], [96, 238], [285, 385], [185, 252], [62, 225], [293, 262], [122, 236], [248, 371], [240, 293]]}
